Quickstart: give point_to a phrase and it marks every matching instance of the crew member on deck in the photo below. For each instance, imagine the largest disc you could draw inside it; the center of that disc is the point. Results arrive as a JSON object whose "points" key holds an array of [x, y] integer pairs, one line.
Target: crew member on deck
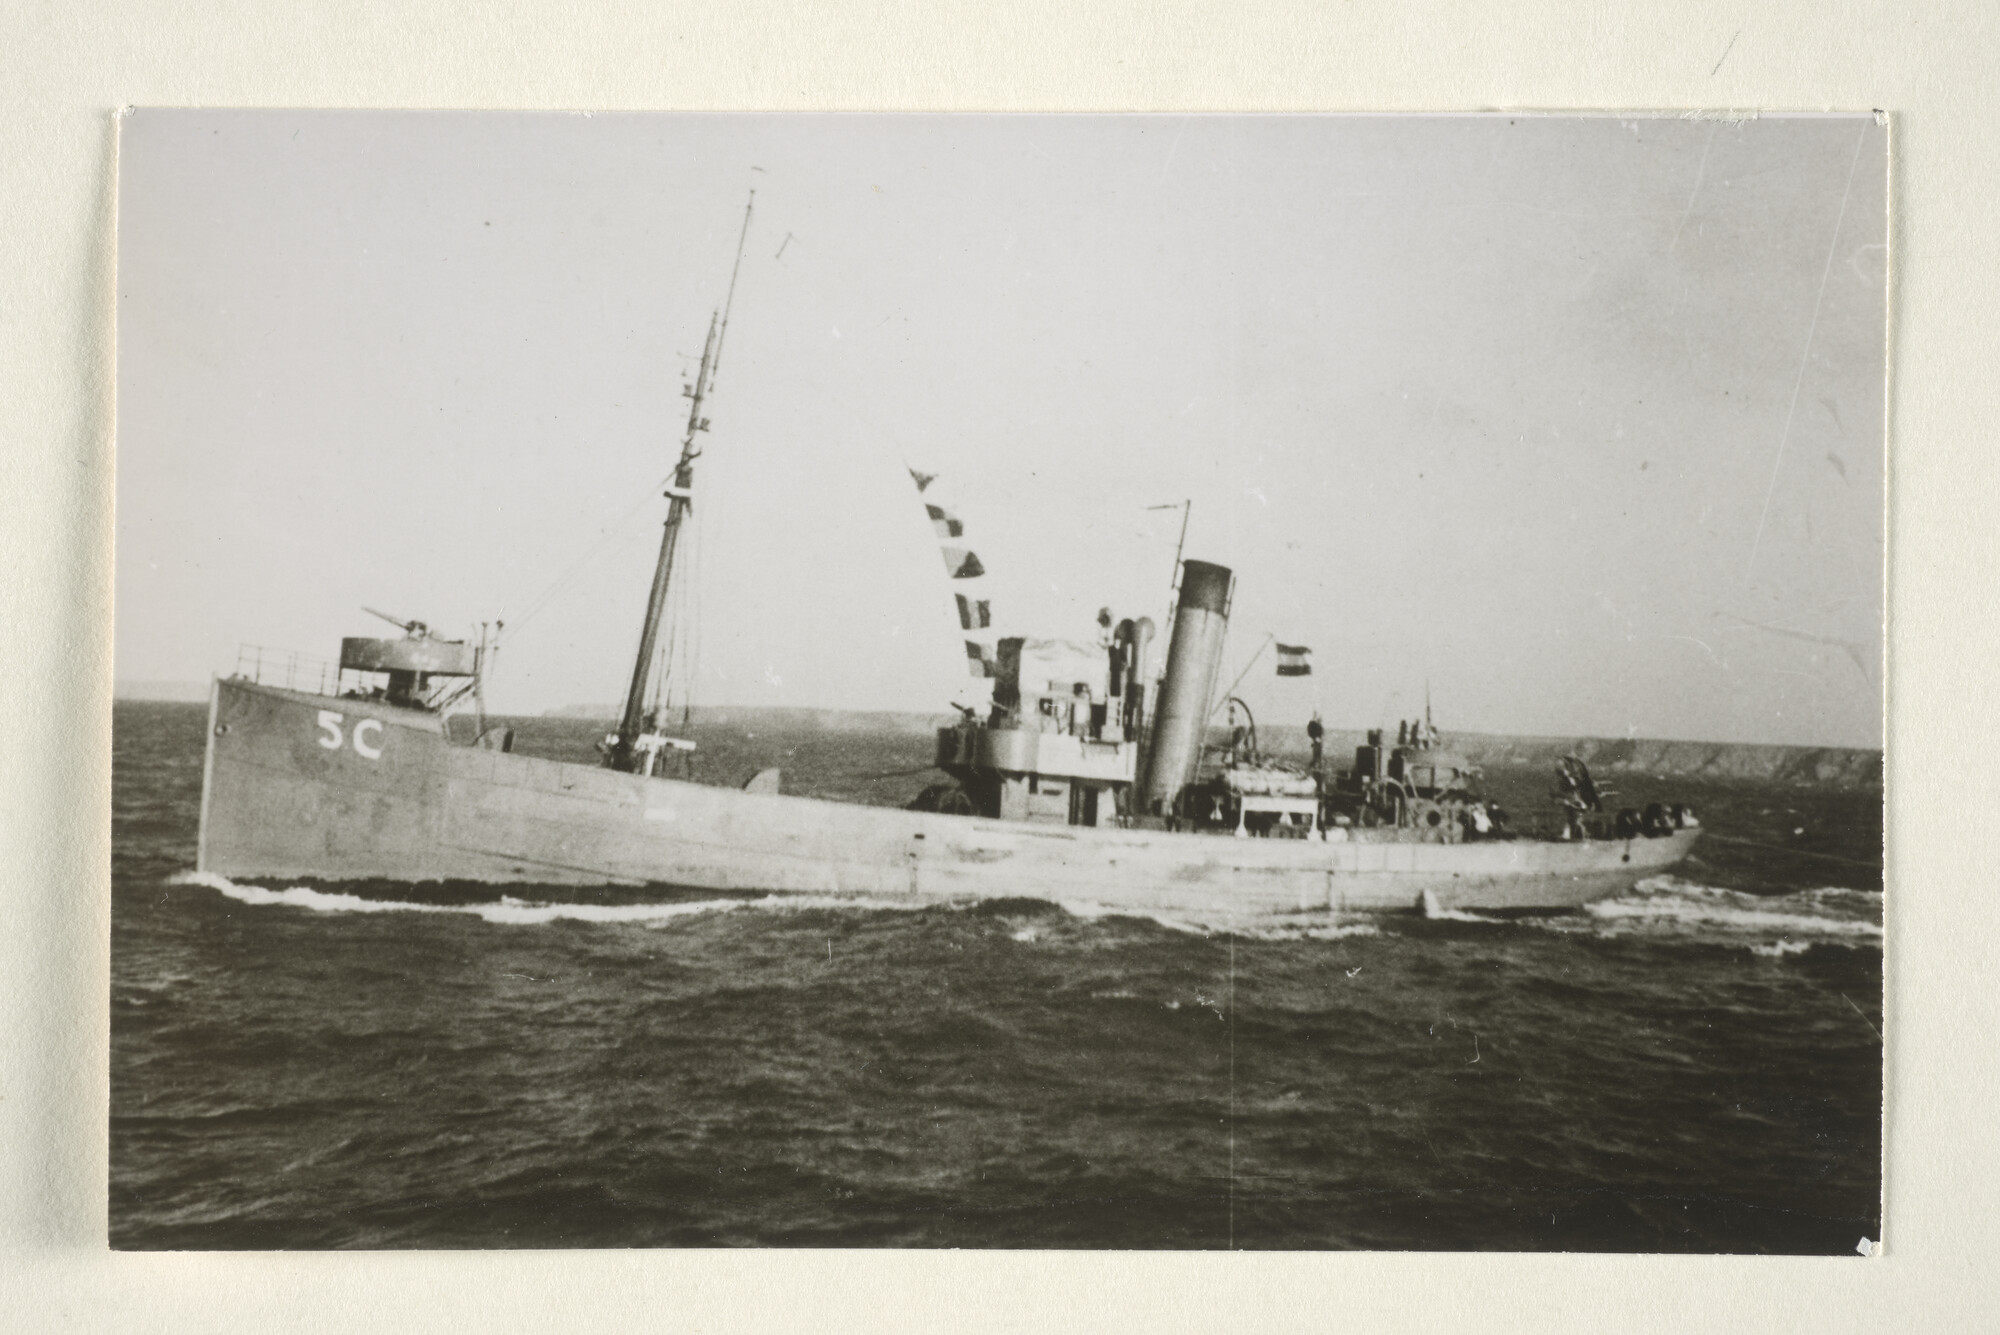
{"points": [[1316, 732]]}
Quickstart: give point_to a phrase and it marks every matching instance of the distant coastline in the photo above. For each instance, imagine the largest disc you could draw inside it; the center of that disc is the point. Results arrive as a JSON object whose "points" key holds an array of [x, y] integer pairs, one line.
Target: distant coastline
{"points": [[801, 718], [1842, 767], [1791, 766], [1797, 766], [182, 692]]}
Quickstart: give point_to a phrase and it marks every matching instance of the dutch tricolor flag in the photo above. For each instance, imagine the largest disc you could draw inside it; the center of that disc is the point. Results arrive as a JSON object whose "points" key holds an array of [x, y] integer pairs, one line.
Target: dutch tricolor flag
{"points": [[1294, 660]]}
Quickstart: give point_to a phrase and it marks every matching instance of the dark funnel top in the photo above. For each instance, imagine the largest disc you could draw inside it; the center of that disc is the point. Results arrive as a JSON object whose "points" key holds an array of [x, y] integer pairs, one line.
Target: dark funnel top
{"points": [[1205, 585]]}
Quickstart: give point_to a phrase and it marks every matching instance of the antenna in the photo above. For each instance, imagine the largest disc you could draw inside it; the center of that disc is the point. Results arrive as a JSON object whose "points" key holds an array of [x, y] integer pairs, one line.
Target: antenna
{"points": [[1186, 508], [730, 300]]}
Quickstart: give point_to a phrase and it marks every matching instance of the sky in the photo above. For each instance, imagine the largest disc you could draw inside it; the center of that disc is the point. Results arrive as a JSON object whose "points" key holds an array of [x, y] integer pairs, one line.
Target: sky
{"points": [[1577, 421]]}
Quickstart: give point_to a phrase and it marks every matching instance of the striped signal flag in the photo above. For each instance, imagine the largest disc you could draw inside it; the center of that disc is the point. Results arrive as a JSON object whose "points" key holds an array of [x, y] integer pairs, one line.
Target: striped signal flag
{"points": [[1294, 660], [963, 566]]}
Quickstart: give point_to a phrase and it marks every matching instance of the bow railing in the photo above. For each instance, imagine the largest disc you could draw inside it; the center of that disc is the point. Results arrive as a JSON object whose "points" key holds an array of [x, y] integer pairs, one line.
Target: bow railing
{"points": [[288, 668]]}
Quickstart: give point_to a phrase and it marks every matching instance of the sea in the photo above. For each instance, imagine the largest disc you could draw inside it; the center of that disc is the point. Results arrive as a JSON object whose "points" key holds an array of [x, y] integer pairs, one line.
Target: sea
{"points": [[1695, 1066]]}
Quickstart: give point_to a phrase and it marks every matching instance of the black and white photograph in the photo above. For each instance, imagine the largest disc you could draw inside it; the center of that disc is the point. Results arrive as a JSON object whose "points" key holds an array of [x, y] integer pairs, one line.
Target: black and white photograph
{"points": [[1106, 682]]}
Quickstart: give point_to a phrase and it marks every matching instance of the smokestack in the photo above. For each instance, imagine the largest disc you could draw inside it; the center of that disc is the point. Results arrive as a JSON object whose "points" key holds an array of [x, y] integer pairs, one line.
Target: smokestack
{"points": [[1142, 641], [1132, 639], [1194, 658]]}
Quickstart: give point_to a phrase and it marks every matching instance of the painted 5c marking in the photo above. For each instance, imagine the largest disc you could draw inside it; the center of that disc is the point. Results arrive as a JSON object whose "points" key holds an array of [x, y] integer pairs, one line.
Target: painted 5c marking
{"points": [[331, 738]]}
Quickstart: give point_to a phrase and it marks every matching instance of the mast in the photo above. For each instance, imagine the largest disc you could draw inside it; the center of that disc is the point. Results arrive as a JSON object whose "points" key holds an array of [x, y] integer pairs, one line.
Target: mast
{"points": [[623, 753]]}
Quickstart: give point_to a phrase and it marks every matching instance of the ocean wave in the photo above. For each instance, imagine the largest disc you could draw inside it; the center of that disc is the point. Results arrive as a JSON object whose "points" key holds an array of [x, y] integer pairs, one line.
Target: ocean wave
{"points": [[1313, 927], [1666, 907], [1844, 897], [1770, 925], [1459, 915], [507, 910], [1315, 930], [788, 903], [1090, 910], [1340, 931], [520, 912]]}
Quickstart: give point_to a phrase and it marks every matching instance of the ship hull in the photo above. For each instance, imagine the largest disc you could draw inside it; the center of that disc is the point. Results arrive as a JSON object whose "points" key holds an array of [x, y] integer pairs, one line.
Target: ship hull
{"points": [[304, 786]]}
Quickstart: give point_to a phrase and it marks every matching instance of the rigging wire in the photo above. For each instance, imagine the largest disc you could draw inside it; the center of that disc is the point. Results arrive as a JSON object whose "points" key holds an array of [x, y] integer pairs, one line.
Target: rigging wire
{"points": [[677, 643], [692, 667], [666, 662], [611, 534], [676, 661], [658, 672]]}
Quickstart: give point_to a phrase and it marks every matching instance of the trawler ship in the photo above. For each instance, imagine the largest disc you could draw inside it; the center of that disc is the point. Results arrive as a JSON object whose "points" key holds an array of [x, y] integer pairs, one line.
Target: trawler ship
{"points": [[1088, 779]]}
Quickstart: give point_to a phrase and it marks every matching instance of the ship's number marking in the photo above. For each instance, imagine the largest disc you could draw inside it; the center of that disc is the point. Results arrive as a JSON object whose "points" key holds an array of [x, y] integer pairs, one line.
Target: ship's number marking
{"points": [[329, 723]]}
